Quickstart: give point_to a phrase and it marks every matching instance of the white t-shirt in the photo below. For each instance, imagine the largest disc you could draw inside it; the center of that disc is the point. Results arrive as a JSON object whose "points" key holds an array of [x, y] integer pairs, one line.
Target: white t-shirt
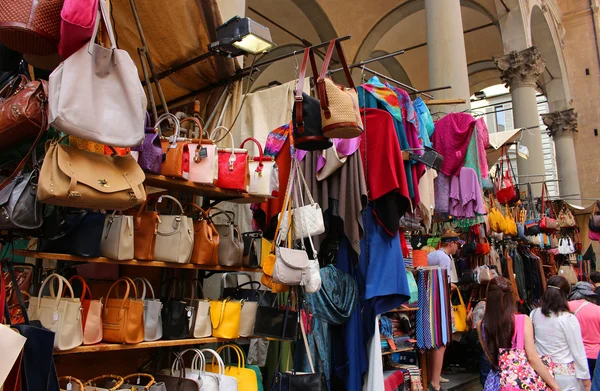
{"points": [[442, 259]]}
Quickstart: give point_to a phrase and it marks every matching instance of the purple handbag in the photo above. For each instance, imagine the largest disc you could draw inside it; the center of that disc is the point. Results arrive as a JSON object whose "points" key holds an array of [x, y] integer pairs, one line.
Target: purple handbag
{"points": [[150, 155]]}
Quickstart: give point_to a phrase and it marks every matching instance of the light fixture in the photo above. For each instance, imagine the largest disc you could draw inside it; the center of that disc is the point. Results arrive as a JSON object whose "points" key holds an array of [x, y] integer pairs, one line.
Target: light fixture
{"points": [[480, 95], [239, 36]]}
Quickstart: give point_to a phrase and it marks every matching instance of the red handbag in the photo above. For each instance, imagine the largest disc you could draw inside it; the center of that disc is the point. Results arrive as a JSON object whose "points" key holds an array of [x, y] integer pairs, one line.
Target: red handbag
{"points": [[233, 164], [548, 223], [506, 191]]}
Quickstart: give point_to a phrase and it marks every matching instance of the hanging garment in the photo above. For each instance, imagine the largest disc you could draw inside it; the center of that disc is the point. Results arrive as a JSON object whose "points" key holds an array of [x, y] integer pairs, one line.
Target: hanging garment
{"points": [[472, 157], [427, 193], [426, 125], [442, 193], [451, 140], [483, 141], [466, 198], [519, 273], [375, 380]]}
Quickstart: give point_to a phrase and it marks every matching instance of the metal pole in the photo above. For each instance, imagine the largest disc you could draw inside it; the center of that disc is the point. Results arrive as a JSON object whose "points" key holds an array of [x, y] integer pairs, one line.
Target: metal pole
{"points": [[147, 84]]}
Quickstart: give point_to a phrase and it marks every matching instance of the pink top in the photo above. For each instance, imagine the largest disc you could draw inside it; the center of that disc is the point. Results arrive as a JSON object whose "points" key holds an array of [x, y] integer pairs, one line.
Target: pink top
{"points": [[451, 140], [589, 320]]}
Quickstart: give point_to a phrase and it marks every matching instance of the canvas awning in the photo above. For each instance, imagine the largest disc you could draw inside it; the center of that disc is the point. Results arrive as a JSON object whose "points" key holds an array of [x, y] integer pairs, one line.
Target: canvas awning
{"points": [[497, 141]]}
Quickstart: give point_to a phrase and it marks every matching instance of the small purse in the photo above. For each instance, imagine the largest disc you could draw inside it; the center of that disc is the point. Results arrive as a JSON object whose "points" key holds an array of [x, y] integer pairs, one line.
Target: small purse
{"points": [[175, 236], [91, 313], [176, 313], [117, 237], [149, 152], [153, 330], [231, 247], [263, 174], [201, 157], [145, 228], [123, 318], [233, 164], [172, 149], [200, 326], [206, 239], [225, 318]]}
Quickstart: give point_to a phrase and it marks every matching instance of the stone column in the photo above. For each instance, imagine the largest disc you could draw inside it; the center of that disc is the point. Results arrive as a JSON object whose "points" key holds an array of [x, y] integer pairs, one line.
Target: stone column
{"points": [[520, 71], [446, 51], [561, 126]]}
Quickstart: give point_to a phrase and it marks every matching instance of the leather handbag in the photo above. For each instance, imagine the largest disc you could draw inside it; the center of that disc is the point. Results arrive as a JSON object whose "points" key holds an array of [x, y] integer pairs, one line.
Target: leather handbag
{"points": [[200, 326], [249, 307], [548, 223], [62, 315], [506, 191], [19, 208], [291, 266], [511, 225], [231, 247], [496, 219], [96, 93], [340, 113], [117, 237], [206, 239], [233, 164], [153, 330], [91, 313], [239, 292], [246, 377], [306, 113], [252, 249], [176, 313], [175, 236], [78, 19], [276, 322], [566, 218], [201, 157], [31, 27], [123, 318], [225, 382], [460, 314], [263, 174], [104, 383], [145, 227], [132, 383], [172, 148], [179, 382], [82, 179], [149, 152], [76, 232], [225, 318]]}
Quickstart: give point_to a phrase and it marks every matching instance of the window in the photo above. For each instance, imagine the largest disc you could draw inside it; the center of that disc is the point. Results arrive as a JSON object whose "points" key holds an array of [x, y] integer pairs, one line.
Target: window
{"points": [[500, 120]]}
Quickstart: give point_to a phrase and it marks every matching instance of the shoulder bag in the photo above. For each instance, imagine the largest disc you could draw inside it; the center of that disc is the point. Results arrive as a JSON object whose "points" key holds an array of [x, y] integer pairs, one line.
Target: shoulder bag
{"points": [[506, 191], [123, 318], [175, 236], [72, 231], [511, 225], [231, 247], [263, 174], [200, 326], [152, 312], [202, 158], [548, 223], [566, 218], [246, 377], [172, 148], [96, 93], [233, 164], [91, 313], [460, 314], [19, 208], [117, 237], [225, 382], [340, 113], [225, 318], [62, 315], [145, 228], [497, 221], [206, 239], [81, 179], [175, 313], [306, 113], [78, 19], [149, 152]]}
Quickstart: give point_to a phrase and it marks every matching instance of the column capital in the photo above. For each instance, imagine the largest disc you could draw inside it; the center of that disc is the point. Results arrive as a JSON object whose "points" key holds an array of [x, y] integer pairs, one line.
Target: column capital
{"points": [[561, 123], [521, 68]]}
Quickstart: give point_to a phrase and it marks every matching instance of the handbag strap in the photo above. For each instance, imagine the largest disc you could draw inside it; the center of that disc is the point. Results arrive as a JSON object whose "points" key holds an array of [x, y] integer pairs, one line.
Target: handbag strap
{"points": [[118, 379], [203, 213], [197, 122], [218, 358], [138, 376], [337, 45], [125, 297], [260, 153], [230, 215], [85, 289], [21, 301], [221, 315], [56, 296], [145, 283], [286, 208], [298, 99], [237, 349], [175, 200], [107, 24], [224, 278]]}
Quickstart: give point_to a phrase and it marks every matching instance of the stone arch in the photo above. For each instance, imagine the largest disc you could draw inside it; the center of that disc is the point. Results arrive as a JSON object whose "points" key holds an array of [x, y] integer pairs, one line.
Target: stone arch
{"points": [[514, 24], [482, 74]]}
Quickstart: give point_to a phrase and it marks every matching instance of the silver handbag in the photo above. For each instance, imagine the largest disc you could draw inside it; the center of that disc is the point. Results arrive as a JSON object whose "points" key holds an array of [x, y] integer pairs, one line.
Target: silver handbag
{"points": [[231, 246], [152, 312], [117, 237], [19, 208], [175, 236]]}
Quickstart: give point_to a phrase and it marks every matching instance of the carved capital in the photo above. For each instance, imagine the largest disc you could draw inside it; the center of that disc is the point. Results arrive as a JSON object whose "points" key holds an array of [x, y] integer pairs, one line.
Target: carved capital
{"points": [[561, 123], [521, 68]]}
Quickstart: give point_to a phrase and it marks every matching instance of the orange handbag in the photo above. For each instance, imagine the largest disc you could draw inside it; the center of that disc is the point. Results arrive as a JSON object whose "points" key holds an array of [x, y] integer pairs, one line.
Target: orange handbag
{"points": [[145, 225], [123, 318], [206, 239], [172, 148]]}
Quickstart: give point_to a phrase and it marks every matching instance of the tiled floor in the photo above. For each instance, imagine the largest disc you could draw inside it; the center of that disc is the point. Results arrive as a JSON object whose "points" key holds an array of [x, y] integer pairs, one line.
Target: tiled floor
{"points": [[462, 382]]}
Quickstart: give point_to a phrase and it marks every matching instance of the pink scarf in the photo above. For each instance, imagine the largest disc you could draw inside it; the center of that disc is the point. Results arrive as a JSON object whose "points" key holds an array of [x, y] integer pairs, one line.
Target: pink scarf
{"points": [[451, 139]]}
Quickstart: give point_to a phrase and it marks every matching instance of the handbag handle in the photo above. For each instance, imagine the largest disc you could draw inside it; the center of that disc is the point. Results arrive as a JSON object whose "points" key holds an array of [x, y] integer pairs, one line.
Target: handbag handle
{"points": [[172, 139], [260, 154], [218, 358], [232, 156], [176, 363], [70, 379], [145, 282], [221, 315], [203, 213], [195, 284], [137, 376], [308, 54], [119, 379], [195, 121], [126, 296], [175, 200], [321, 89], [201, 367], [224, 278], [230, 215], [172, 288], [241, 360], [85, 291], [61, 280]]}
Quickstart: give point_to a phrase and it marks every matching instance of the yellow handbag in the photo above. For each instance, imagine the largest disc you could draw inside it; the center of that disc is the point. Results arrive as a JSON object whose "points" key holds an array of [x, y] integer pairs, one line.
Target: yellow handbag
{"points": [[245, 377], [225, 318], [460, 315], [497, 221], [511, 225]]}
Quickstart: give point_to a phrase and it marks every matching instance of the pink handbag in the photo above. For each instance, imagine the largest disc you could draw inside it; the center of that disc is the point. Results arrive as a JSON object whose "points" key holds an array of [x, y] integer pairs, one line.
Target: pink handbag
{"points": [[78, 18], [202, 158]]}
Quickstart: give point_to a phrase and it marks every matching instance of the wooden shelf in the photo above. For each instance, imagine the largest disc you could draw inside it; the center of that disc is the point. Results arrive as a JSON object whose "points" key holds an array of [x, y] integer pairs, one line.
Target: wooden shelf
{"points": [[397, 351], [132, 262], [109, 347], [412, 309], [211, 192]]}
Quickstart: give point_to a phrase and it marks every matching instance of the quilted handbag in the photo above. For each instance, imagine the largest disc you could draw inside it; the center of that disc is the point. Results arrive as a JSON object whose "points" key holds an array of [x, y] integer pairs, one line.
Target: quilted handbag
{"points": [[152, 312], [263, 174], [173, 149], [174, 236], [149, 152], [306, 114], [231, 246], [566, 218], [123, 318], [201, 157], [233, 164], [91, 313], [206, 239], [340, 113], [78, 18], [117, 237]]}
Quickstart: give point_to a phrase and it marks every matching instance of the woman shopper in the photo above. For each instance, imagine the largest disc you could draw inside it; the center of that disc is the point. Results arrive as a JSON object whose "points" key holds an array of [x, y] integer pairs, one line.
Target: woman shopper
{"points": [[582, 303], [497, 329], [558, 335]]}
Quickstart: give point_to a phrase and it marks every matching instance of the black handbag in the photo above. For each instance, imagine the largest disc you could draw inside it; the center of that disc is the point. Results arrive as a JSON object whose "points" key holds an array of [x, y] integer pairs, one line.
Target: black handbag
{"points": [[252, 248], [19, 208], [306, 113], [176, 313], [38, 372], [72, 231], [263, 297], [275, 322]]}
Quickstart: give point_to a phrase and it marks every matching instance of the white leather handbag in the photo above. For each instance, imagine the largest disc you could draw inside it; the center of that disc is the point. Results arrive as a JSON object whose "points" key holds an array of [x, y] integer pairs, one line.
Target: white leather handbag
{"points": [[62, 315], [248, 318], [226, 383], [96, 93], [175, 236], [200, 326], [117, 237], [152, 312], [208, 381], [263, 174]]}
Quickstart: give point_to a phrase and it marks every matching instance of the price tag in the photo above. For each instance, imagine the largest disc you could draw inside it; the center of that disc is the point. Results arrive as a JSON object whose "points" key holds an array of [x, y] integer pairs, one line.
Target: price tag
{"points": [[189, 314], [203, 152], [135, 154], [55, 316], [69, 386]]}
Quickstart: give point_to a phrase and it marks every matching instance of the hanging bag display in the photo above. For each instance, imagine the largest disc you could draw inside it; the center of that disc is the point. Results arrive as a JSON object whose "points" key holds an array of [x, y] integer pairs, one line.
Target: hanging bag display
{"points": [[306, 113], [233, 164], [206, 239], [201, 157], [149, 152], [96, 93], [176, 313], [200, 326], [117, 237], [506, 191], [152, 312], [548, 223], [62, 315], [340, 113], [231, 247], [263, 174], [174, 235], [91, 313], [225, 318], [145, 228], [123, 318], [497, 221]]}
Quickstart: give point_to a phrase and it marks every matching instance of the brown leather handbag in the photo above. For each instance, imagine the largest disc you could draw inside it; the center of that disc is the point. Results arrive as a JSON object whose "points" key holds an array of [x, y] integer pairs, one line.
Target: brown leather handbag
{"points": [[145, 229], [123, 318], [340, 113], [31, 26], [81, 179], [173, 149], [206, 239]]}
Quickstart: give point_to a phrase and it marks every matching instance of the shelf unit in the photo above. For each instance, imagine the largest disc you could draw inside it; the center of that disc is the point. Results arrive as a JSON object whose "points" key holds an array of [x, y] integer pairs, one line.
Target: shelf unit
{"points": [[398, 351], [109, 347], [402, 309], [132, 262]]}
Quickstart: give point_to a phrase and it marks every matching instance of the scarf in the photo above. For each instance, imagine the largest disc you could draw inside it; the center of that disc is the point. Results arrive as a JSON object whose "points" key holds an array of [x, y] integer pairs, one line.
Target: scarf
{"points": [[336, 299]]}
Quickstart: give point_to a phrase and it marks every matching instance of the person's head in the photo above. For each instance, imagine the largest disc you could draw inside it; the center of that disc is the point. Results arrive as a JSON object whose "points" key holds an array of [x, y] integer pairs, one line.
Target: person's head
{"points": [[595, 278], [554, 300], [583, 291], [450, 242], [498, 320]]}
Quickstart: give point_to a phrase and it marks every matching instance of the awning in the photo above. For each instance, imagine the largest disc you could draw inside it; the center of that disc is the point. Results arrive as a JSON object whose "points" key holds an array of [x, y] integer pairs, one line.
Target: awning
{"points": [[497, 141]]}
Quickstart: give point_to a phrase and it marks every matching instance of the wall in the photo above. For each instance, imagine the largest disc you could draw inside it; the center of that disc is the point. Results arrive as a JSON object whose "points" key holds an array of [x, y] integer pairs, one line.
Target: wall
{"points": [[581, 54]]}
